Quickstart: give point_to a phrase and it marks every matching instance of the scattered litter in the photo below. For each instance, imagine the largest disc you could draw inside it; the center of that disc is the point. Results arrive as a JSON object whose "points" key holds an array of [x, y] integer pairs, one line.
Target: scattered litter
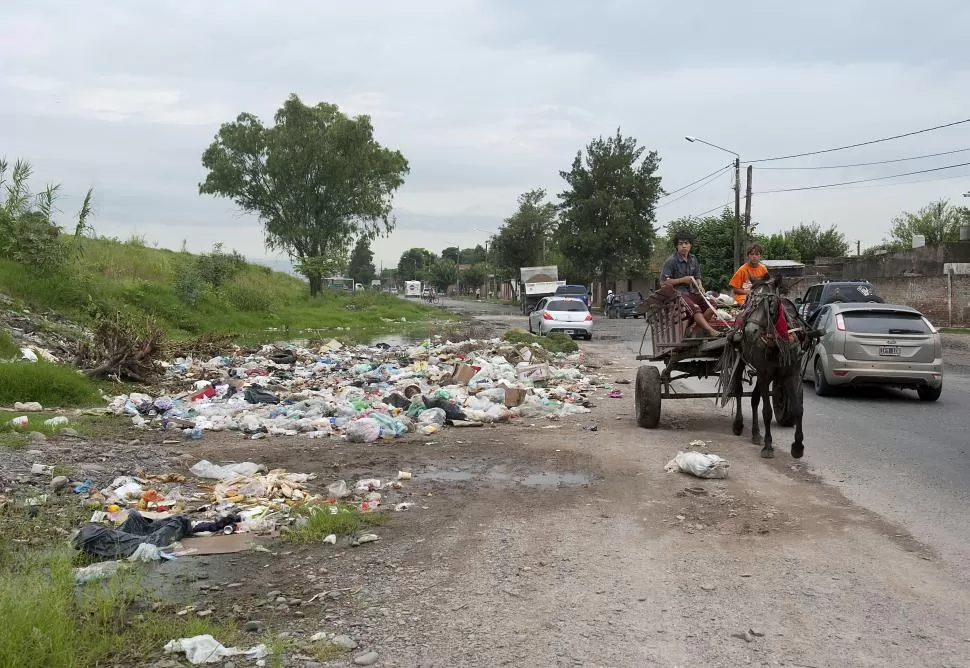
{"points": [[28, 407], [616, 393], [56, 421], [697, 443], [96, 571], [331, 539], [702, 465], [206, 469], [206, 649]]}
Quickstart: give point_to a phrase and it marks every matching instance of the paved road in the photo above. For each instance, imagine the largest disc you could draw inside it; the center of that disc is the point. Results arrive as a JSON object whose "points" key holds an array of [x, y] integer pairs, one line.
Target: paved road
{"points": [[886, 450]]}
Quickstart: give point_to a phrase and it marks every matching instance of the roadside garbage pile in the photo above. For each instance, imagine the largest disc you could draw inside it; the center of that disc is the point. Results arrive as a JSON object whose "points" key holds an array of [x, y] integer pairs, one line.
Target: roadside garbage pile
{"points": [[364, 393], [167, 516]]}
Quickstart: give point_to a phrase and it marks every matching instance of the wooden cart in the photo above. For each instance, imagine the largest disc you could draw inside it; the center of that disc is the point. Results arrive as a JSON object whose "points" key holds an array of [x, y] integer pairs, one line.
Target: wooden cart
{"points": [[692, 357]]}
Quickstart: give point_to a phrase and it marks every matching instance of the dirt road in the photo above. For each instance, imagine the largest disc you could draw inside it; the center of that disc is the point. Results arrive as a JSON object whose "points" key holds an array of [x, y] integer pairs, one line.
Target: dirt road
{"points": [[551, 544]]}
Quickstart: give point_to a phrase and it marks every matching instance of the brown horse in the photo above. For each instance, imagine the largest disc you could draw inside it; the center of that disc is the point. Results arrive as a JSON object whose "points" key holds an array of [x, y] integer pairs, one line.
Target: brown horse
{"points": [[772, 339]]}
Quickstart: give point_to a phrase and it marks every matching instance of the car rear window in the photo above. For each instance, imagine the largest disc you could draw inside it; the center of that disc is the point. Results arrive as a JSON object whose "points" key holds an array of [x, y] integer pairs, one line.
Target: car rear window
{"points": [[852, 293], [564, 305], [885, 322]]}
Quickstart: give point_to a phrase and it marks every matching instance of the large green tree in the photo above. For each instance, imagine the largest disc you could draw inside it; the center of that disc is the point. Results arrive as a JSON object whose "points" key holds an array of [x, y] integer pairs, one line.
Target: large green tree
{"points": [[415, 264], [474, 276], [812, 242], [523, 240], [938, 221], [316, 180], [607, 210], [361, 265], [713, 245], [443, 273]]}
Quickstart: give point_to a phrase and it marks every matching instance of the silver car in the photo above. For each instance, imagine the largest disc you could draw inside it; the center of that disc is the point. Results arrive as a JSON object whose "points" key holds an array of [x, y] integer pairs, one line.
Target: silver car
{"points": [[875, 344], [561, 314]]}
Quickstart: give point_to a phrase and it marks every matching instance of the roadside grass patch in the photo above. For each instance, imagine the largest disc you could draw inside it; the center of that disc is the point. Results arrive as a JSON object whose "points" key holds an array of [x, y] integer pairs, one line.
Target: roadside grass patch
{"points": [[554, 343], [340, 519], [50, 384], [49, 621]]}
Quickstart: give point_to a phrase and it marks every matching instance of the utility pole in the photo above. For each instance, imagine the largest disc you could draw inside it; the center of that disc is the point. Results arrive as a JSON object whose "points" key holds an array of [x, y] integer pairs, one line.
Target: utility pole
{"points": [[747, 213], [858, 247], [737, 212]]}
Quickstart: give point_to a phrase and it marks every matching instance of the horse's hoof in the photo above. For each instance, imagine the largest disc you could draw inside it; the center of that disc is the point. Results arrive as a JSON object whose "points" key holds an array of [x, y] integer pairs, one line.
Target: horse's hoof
{"points": [[797, 450], [756, 439], [737, 429], [767, 452]]}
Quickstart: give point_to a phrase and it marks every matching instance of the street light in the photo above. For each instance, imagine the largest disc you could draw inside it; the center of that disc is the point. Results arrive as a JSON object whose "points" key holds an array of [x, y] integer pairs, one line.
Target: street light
{"points": [[737, 194], [490, 234]]}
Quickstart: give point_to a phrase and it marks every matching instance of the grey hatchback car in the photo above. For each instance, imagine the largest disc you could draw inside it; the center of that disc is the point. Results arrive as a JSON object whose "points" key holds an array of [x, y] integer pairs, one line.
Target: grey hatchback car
{"points": [[875, 344]]}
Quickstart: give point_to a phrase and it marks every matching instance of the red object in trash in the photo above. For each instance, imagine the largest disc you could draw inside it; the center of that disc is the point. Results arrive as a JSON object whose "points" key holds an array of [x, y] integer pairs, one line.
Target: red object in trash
{"points": [[207, 392]]}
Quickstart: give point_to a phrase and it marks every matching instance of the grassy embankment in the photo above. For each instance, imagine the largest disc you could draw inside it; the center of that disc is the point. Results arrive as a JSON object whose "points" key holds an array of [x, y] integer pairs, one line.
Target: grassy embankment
{"points": [[191, 295]]}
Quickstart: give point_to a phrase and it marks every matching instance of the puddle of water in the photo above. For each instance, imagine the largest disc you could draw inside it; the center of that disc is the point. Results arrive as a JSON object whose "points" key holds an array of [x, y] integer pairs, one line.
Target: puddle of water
{"points": [[501, 475], [446, 476], [547, 479]]}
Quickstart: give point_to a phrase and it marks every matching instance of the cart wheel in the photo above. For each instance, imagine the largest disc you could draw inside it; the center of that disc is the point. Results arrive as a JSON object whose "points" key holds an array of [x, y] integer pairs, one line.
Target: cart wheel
{"points": [[648, 397], [783, 396]]}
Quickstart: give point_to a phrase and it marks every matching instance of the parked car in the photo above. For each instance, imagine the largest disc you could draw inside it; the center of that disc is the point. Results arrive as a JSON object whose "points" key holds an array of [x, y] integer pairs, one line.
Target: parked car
{"points": [[831, 292], [561, 314], [577, 291], [875, 344], [625, 305]]}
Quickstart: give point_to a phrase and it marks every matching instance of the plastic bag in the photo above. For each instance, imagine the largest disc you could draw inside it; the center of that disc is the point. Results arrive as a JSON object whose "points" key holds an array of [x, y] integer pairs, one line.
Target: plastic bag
{"points": [[700, 464], [125, 540], [366, 430], [206, 469], [338, 490], [432, 416], [206, 649], [390, 427]]}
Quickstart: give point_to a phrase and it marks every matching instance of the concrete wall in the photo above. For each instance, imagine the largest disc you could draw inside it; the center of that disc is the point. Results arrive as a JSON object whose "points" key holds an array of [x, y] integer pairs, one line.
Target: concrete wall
{"points": [[933, 279]]}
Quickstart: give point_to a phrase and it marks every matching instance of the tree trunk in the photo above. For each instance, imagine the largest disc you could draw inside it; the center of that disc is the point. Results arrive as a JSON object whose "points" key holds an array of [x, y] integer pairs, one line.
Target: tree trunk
{"points": [[316, 284]]}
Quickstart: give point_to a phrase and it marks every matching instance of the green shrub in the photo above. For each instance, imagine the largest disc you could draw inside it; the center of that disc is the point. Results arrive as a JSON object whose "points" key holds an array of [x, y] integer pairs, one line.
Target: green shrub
{"points": [[8, 345], [50, 384], [245, 297], [554, 343]]}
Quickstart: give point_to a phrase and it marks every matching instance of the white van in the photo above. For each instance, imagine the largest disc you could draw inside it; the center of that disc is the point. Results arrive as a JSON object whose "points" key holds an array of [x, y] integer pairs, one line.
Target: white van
{"points": [[412, 289]]}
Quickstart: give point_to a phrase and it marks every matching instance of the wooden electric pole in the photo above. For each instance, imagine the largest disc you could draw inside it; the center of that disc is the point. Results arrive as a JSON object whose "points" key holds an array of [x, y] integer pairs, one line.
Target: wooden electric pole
{"points": [[747, 211], [737, 212]]}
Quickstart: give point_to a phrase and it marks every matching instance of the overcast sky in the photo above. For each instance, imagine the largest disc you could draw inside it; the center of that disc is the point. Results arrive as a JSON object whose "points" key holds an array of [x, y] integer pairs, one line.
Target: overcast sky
{"points": [[488, 99]]}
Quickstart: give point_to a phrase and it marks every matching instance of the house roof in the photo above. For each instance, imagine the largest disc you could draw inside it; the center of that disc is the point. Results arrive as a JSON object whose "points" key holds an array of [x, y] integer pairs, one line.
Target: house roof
{"points": [[782, 264]]}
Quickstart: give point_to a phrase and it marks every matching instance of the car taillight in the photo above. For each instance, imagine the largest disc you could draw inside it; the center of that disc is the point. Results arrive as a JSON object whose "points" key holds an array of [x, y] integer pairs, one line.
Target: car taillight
{"points": [[930, 325], [589, 316], [546, 315], [839, 322]]}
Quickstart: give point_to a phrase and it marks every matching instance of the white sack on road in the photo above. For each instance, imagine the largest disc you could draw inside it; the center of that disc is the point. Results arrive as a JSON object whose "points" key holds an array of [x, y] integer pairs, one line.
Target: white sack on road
{"points": [[700, 464]]}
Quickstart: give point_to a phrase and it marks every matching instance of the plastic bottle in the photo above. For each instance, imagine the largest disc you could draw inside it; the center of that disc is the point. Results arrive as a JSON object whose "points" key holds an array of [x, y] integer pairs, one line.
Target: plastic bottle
{"points": [[196, 434]]}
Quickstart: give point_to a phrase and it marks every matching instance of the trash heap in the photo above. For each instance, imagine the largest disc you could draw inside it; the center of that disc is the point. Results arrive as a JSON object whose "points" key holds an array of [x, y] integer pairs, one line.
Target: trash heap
{"points": [[364, 393], [148, 518]]}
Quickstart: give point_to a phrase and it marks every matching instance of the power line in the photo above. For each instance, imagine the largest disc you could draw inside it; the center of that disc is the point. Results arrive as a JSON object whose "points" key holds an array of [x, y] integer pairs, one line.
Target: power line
{"points": [[875, 178], [712, 178], [907, 183], [865, 143], [674, 192], [867, 164]]}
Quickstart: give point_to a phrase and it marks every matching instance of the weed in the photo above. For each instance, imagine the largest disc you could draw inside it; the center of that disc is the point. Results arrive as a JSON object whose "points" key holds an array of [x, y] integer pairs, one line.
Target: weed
{"points": [[8, 345], [340, 519], [85, 425], [554, 343], [49, 621], [50, 384]]}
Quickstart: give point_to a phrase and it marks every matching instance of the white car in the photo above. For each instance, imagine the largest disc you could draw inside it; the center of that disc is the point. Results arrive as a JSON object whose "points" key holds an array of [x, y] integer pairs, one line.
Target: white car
{"points": [[561, 314]]}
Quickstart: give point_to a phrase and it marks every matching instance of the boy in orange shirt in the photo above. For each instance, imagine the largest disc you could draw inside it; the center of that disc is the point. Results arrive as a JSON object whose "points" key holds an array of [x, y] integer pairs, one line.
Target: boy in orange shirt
{"points": [[750, 271]]}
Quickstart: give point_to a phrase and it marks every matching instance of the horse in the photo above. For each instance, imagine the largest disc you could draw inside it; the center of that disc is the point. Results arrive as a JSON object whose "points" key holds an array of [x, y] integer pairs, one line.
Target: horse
{"points": [[772, 338]]}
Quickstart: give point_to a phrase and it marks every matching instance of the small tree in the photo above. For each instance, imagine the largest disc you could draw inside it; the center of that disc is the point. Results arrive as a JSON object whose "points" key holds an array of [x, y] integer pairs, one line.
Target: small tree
{"points": [[361, 265], [474, 276], [938, 221], [316, 179]]}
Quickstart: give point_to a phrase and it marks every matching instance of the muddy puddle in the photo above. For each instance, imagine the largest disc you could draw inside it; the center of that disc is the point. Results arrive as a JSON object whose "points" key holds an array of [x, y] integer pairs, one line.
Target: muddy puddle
{"points": [[502, 476]]}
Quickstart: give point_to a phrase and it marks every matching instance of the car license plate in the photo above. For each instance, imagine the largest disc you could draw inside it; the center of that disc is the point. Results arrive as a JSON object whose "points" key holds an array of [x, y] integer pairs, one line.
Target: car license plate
{"points": [[889, 351]]}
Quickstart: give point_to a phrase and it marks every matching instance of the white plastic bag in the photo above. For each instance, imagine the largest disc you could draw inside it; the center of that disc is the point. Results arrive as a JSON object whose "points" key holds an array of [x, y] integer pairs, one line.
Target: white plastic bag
{"points": [[364, 430], [433, 416], [206, 469], [700, 464], [338, 490], [206, 649]]}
